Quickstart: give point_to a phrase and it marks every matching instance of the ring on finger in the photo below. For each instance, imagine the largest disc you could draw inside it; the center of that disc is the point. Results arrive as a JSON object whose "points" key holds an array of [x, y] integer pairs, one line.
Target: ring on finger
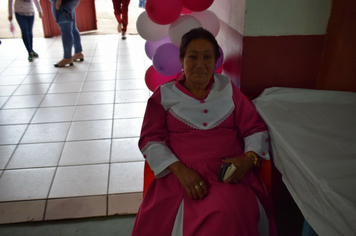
{"points": [[196, 187], [201, 183]]}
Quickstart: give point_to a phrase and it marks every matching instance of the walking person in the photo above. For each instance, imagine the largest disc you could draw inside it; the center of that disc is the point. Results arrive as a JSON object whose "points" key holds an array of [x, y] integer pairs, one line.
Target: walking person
{"points": [[25, 16], [64, 13], [121, 8], [142, 3]]}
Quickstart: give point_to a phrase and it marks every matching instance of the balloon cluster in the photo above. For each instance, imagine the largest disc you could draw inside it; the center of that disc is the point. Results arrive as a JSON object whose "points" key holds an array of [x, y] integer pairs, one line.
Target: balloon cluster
{"points": [[162, 25]]}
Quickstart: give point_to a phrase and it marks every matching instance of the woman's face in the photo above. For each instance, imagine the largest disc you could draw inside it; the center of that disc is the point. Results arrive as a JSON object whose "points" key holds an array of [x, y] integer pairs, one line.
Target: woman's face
{"points": [[199, 63]]}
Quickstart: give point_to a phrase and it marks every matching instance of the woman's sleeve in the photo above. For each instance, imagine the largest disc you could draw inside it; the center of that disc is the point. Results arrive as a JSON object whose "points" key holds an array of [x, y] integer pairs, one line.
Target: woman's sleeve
{"points": [[38, 6], [11, 8], [251, 126], [153, 135]]}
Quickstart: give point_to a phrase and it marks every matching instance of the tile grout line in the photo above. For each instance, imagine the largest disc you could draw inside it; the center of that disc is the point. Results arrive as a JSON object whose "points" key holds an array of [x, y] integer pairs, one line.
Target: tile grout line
{"points": [[64, 142], [28, 124]]}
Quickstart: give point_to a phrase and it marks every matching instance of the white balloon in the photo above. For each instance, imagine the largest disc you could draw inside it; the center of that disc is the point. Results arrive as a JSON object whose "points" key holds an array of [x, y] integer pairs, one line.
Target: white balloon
{"points": [[181, 26], [149, 30], [209, 21]]}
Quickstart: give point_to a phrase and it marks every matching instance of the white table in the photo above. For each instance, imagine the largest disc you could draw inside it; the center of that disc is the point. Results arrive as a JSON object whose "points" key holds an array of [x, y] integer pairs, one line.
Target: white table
{"points": [[313, 137]]}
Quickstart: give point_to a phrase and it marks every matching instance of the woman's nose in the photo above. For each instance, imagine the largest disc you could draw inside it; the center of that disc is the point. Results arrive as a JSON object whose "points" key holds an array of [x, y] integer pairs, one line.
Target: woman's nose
{"points": [[200, 62]]}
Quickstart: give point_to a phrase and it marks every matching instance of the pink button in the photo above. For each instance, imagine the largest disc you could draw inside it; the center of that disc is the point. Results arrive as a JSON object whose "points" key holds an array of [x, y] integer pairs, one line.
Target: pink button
{"points": [[206, 111], [205, 124], [144, 156], [263, 154]]}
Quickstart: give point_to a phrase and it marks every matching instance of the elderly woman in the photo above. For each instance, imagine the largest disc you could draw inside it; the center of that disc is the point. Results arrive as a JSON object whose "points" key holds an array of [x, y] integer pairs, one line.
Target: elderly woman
{"points": [[192, 126]]}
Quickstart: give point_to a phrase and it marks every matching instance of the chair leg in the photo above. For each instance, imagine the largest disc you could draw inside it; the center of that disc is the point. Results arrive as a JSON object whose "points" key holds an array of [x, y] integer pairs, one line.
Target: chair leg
{"points": [[308, 230]]}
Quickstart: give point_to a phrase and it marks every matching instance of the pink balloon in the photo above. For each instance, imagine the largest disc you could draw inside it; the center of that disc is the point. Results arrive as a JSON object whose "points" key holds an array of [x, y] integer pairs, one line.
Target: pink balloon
{"points": [[185, 11], [150, 47], [197, 5], [220, 59], [208, 20], [181, 26], [166, 59], [163, 12], [154, 79], [219, 71]]}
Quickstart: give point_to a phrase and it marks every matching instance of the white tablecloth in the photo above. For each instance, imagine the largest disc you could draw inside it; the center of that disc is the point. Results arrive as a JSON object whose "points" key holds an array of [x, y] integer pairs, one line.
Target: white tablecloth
{"points": [[313, 137]]}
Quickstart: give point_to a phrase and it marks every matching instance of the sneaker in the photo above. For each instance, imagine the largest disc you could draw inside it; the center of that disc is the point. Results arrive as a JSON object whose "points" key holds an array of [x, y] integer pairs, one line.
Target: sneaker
{"points": [[123, 35], [30, 57], [35, 54]]}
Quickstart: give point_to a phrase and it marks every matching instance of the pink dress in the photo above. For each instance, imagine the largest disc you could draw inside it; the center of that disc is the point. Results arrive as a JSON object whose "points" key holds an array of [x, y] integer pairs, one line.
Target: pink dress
{"points": [[198, 133]]}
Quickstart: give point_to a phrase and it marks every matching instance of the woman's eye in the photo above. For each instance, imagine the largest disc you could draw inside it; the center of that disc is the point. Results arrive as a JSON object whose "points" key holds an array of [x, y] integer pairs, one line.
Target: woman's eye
{"points": [[192, 57]]}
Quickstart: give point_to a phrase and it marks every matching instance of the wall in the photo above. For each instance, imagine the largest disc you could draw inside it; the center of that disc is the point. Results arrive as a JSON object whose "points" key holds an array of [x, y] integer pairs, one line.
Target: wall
{"points": [[338, 68], [231, 14], [283, 44]]}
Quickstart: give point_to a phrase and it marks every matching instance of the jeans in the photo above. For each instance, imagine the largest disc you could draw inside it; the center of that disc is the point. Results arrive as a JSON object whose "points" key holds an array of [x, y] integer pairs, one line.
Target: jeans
{"points": [[66, 19], [26, 24], [142, 3]]}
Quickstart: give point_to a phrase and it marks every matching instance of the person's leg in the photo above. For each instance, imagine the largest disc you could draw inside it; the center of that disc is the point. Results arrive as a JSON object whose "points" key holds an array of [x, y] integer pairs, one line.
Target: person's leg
{"points": [[78, 55], [125, 21], [64, 23], [76, 35], [124, 11], [23, 23], [67, 38], [141, 3], [117, 13], [31, 20]]}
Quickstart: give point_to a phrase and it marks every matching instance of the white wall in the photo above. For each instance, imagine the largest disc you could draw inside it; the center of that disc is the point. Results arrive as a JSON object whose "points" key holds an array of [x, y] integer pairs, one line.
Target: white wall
{"points": [[286, 17]]}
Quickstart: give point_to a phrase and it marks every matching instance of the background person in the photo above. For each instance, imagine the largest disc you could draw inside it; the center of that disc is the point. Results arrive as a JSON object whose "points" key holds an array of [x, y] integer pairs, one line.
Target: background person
{"points": [[121, 9], [192, 125], [25, 16], [64, 13], [142, 3]]}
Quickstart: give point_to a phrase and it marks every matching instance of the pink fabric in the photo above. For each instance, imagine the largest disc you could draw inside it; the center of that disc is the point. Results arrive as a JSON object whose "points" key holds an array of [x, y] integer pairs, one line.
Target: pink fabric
{"points": [[228, 209]]}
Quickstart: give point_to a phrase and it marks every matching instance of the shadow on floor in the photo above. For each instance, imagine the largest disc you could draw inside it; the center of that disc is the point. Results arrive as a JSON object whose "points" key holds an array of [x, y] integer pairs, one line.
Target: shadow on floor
{"points": [[106, 226]]}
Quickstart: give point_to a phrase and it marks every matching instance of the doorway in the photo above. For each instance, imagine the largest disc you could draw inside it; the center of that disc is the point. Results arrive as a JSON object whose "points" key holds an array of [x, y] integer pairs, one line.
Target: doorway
{"points": [[106, 22]]}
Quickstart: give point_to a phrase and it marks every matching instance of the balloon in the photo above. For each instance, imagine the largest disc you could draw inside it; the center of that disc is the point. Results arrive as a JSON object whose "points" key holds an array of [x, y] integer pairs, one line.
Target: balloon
{"points": [[150, 47], [220, 59], [149, 30], [209, 21], [166, 60], [181, 26], [185, 11], [219, 71], [154, 79], [197, 5], [163, 12]]}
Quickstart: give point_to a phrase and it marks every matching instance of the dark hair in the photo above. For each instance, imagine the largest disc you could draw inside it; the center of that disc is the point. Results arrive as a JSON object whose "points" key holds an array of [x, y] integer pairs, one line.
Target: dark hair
{"points": [[198, 33]]}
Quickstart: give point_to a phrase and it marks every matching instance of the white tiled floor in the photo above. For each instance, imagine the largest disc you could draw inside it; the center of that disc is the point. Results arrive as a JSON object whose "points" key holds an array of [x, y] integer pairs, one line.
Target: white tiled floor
{"points": [[68, 136]]}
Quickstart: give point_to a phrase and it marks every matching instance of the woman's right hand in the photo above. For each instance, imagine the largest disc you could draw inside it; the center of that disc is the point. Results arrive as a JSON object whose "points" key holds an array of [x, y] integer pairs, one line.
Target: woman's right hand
{"points": [[10, 18], [190, 180]]}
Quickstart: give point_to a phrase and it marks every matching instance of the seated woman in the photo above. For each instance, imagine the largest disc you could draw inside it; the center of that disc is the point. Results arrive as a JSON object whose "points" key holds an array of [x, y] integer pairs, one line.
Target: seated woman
{"points": [[192, 126]]}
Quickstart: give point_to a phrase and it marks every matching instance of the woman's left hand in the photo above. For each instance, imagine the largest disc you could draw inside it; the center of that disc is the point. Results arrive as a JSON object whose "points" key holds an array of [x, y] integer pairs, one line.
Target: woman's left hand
{"points": [[243, 165]]}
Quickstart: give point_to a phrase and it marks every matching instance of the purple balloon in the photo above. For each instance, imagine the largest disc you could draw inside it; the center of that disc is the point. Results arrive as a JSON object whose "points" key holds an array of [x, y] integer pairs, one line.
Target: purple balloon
{"points": [[150, 47], [220, 59], [166, 59]]}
